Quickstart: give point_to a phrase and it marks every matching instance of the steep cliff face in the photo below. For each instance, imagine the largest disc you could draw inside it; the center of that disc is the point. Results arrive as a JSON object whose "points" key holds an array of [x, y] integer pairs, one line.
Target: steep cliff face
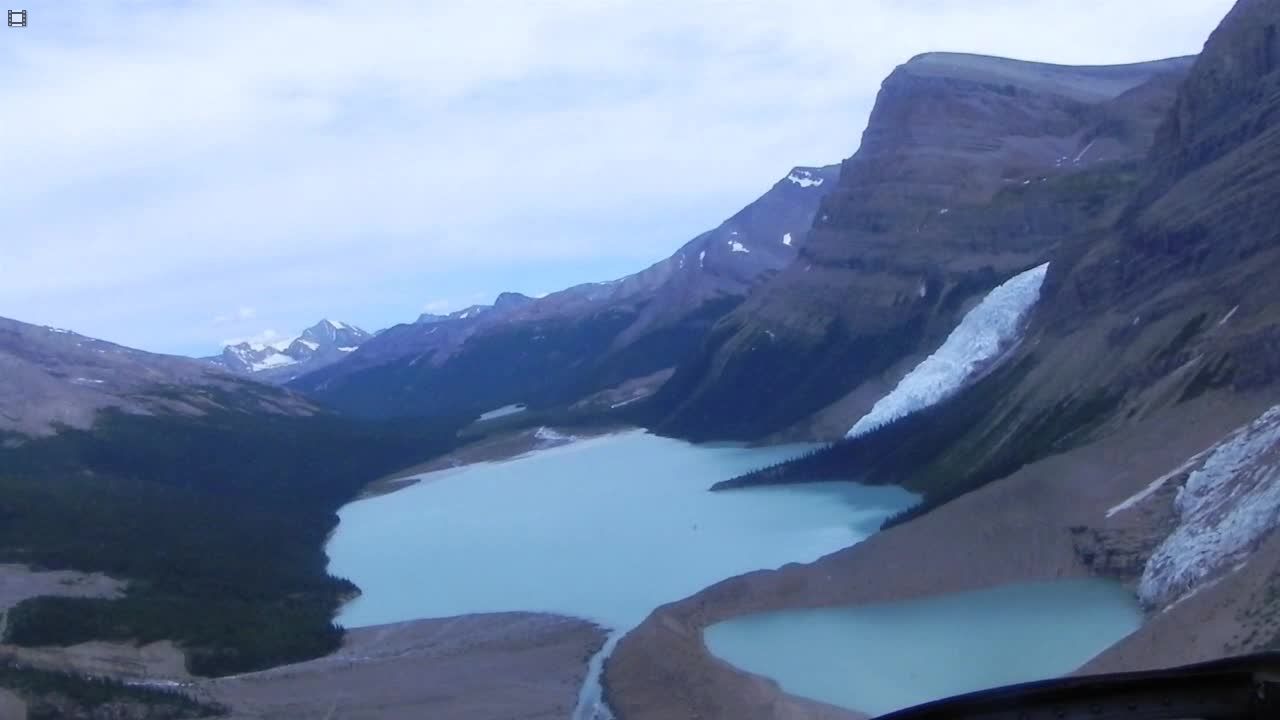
{"points": [[1191, 257], [1169, 299], [573, 343], [1176, 299], [971, 169]]}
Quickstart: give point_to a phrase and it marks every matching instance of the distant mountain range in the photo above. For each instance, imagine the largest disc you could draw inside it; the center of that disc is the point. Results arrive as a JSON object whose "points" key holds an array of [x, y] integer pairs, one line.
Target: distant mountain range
{"points": [[322, 344]]}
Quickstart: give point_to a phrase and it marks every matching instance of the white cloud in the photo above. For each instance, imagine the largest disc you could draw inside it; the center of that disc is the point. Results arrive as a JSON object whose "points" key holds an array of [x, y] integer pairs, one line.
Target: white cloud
{"points": [[181, 156], [241, 314], [265, 337]]}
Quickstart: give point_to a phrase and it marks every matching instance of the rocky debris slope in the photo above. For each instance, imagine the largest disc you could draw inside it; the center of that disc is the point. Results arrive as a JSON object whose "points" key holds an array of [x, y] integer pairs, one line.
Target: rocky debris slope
{"points": [[1040, 523], [477, 666]]}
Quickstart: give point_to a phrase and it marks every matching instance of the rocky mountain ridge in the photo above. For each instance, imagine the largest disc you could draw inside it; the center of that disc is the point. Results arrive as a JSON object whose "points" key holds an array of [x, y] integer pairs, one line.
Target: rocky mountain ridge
{"points": [[971, 170], [51, 377], [570, 344]]}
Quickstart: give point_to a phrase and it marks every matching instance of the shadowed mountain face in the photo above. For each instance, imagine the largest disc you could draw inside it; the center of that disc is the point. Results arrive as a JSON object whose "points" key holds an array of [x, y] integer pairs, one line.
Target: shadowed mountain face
{"points": [[1178, 298], [1167, 301], [971, 169], [582, 340], [51, 377]]}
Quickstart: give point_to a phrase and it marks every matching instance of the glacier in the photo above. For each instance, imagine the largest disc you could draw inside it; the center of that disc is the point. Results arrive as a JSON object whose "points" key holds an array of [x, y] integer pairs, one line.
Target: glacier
{"points": [[273, 360], [1225, 510], [981, 335]]}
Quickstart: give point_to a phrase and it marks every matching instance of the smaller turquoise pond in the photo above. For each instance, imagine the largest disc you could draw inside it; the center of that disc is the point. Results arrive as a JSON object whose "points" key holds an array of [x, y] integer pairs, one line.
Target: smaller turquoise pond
{"points": [[880, 658]]}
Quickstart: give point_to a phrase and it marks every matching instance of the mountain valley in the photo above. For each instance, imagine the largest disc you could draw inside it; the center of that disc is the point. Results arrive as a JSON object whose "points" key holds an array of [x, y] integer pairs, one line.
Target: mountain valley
{"points": [[1025, 334]]}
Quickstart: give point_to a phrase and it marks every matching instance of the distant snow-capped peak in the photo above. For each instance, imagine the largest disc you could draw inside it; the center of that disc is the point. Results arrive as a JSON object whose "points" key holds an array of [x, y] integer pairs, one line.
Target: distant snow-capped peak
{"points": [[320, 344]]}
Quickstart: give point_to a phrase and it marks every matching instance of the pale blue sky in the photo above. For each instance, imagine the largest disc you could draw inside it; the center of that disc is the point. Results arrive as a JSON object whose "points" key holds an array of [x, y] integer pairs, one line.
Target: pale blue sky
{"points": [[182, 173]]}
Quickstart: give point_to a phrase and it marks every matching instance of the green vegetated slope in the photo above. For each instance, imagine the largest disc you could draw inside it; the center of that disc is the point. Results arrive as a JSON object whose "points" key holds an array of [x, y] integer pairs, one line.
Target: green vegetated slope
{"points": [[63, 696], [540, 363], [544, 364], [1172, 299], [217, 521]]}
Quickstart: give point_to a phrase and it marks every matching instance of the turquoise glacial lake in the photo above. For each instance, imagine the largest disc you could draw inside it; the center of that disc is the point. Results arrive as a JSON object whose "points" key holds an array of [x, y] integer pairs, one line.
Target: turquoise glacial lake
{"points": [[605, 529]]}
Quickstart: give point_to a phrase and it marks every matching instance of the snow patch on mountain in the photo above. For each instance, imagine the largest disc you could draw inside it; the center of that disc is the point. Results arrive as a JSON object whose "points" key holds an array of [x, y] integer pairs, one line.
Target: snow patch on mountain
{"points": [[273, 360], [1086, 149], [546, 434], [804, 178], [1225, 510], [738, 247], [981, 335], [786, 239], [1230, 314]]}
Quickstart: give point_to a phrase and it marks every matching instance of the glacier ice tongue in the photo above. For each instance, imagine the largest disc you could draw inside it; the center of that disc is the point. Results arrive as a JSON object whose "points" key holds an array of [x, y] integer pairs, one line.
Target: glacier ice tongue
{"points": [[1225, 510], [981, 335]]}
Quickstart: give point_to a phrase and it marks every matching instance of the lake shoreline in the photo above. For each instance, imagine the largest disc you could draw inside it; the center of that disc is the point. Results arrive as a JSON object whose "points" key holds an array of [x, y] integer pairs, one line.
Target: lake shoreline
{"points": [[499, 448], [486, 666], [553, 520], [1047, 521]]}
